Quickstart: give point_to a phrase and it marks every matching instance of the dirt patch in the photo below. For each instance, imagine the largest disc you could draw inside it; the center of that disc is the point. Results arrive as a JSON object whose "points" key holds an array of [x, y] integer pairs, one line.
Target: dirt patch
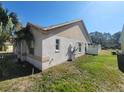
{"points": [[21, 85]]}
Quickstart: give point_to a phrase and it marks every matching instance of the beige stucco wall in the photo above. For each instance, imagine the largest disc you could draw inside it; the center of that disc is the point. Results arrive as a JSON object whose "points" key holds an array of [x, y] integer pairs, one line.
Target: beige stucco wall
{"points": [[72, 31], [35, 62], [58, 57], [70, 34]]}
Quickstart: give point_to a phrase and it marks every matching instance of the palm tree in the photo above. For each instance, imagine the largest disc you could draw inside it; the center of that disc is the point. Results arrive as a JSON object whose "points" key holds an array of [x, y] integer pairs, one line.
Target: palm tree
{"points": [[14, 17], [3, 15], [8, 24]]}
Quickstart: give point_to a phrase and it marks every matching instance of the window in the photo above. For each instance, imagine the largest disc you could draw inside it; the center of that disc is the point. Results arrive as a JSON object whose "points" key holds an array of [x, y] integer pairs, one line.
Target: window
{"points": [[79, 46], [57, 44], [31, 48]]}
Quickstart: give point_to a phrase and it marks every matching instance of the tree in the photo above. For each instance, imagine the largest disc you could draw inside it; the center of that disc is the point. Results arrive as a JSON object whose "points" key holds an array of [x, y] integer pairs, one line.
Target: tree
{"points": [[115, 39], [96, 37], [106, 39], [3, 15], [8, 24], [3, 36], [14, 17]]}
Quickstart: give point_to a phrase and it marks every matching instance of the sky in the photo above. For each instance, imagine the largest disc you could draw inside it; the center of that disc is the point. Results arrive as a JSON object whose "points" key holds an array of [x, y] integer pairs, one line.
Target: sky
{"points": [[99, 16]]}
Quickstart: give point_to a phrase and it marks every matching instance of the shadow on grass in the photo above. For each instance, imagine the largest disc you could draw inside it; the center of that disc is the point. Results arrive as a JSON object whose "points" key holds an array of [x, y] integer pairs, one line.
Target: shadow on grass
{"points": [[11, 68], [120, 60]]}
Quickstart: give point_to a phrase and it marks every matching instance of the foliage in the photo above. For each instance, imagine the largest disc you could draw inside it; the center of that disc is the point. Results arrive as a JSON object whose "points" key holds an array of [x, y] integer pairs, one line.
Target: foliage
{"points": [[3, 36], [116, 39], [96, 37], [3, 16], [14, 17], [106, 39], [8, 22], [25, 34]]}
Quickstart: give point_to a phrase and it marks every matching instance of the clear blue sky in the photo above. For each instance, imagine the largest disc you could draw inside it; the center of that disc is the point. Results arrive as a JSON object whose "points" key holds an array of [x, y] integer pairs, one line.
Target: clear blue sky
{"points": [[97, 16]]}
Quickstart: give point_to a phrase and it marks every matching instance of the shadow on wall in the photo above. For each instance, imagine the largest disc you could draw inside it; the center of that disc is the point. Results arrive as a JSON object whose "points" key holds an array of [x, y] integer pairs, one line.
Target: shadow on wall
{"points": [[120, 58], [11, 68]]}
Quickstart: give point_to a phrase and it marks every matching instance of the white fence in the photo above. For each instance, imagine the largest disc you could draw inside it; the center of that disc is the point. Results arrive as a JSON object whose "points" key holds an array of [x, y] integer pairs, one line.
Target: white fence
{"points": [[94, 49]]}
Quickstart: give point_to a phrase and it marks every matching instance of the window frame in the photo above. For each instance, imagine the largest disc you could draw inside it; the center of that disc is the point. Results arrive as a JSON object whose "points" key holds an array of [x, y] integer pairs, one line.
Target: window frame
{"points": [[79, 47], [31, 48], [57, 44]]}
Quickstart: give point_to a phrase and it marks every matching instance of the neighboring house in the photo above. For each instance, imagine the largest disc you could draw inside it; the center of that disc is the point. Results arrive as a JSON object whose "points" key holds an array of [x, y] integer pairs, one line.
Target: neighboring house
{"points": [[7, 47], [47, 47]]}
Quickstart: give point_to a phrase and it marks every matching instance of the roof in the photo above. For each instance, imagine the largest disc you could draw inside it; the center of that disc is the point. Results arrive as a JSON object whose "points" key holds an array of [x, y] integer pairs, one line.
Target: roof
{"points": [[47, 29], [59, 25], [52, 26]]}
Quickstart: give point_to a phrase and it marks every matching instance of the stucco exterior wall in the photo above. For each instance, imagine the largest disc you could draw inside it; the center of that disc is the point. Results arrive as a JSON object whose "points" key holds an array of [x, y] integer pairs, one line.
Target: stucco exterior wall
{"points": [[70, 34], [35, 62], [57, 57], [72, 31]]}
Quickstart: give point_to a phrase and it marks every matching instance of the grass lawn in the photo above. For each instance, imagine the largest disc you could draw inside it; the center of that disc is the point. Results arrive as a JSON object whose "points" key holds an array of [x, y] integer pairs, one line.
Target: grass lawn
{"points": [[86, 73]]}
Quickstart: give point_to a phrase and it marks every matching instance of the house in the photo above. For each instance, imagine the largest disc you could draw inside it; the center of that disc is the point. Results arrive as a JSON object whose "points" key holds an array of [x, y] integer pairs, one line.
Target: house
{"points": [[45, 47], [7, 47], [120, 54], [122, 40]]}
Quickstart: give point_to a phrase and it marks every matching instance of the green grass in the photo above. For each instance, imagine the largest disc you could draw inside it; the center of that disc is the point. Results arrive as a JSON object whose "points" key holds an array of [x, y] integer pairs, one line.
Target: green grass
{"points": [[86, 73]]}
